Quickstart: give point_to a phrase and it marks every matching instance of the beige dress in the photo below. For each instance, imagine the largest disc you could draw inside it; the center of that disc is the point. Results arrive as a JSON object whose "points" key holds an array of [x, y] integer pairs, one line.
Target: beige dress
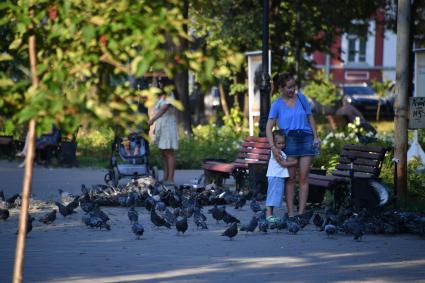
{"points": [[165, 134]]}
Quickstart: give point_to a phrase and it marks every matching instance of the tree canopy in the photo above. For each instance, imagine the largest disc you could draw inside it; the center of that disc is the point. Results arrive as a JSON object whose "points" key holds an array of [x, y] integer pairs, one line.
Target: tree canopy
{"points": [[82, 48]]}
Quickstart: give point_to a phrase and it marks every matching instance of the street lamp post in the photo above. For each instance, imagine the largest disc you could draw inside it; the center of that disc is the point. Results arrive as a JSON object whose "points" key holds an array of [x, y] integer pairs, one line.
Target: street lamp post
{"points": [[265, 78]]}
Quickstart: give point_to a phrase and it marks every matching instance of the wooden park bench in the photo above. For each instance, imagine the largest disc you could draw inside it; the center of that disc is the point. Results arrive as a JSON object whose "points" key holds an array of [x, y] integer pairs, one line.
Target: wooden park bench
{"points": [[254, 151], [364, 161]]}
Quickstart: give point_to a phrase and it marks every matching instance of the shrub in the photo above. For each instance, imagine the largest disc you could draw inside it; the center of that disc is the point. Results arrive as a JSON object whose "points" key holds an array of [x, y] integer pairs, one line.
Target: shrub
{"points": [[322, 90]]}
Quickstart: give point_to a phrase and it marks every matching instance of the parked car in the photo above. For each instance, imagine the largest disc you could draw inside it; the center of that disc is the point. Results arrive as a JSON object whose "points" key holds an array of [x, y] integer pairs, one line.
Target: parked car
{"points": [[366, 100]]}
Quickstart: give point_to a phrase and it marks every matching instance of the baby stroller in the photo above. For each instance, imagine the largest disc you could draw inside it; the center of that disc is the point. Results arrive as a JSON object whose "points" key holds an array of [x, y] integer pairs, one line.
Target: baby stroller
{"points": [[133, 153]]}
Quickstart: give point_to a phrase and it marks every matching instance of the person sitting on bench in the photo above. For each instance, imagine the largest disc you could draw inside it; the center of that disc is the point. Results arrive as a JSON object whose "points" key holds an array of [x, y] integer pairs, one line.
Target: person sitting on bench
{"points": [[42, 143], [366, 132]]}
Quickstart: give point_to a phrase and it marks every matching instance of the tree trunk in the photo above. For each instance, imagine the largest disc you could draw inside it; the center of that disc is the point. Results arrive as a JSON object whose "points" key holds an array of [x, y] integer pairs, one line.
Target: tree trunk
{"points": [[223, 100], [402, 78], [199, 107], [181, 81], [26, 186], [378, 110]]}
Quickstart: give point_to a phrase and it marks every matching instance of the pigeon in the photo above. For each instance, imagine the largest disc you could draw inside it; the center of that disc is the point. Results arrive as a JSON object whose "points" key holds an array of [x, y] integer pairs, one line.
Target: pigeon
{"points": [[282, 223], [181, 225], [218, 213], [263, 224], [229, 219], [169, 216], [197, 211], [4, 214], [133, 215], [355, 226], [49, 217], [97, 212], [137, 229], [150, 203], [240, 202], [304, 219], [358, 233], [232, 231], [86, 205], [13, 201], [30, 219], [330, 230], [64, 210], [318, 221], [74, 203], [293, 226], [2, 196], [84, 189], [251, 226], [255, 207], [199, 220], [131, 199], [158, 220], [97, 222], [160, 206], [65, 197]]}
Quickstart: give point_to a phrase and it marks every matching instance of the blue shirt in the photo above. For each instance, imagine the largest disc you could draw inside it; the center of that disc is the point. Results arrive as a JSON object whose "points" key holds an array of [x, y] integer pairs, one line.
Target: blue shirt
{"points": [[291, 118]]}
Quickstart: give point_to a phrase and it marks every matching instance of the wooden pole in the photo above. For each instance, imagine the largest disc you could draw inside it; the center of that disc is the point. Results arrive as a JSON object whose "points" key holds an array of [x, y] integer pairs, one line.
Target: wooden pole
{"points": [[26, 186], [401, 105], [265, 86]]}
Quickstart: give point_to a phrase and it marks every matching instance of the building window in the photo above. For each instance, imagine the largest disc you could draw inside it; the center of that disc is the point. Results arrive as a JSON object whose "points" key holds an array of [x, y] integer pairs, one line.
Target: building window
{"points": [[356, 49], [362, 50]]}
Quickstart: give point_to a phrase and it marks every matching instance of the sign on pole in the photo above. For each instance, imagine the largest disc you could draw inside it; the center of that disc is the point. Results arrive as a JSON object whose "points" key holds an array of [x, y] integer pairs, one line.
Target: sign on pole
{"points": [[254, 81], [417, 106]]}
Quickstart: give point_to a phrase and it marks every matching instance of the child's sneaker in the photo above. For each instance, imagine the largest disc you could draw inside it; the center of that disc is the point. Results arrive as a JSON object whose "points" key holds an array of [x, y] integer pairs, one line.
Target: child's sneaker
{"points": [[272, 219]]}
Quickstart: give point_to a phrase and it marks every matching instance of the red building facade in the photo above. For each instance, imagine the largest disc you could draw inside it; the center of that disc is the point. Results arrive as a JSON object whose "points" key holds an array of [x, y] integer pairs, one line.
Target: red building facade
{"points": [[366, 53]]}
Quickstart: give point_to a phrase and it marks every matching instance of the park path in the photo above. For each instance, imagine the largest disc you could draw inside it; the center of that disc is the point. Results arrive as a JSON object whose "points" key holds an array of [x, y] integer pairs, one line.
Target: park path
{"points": [[67, 251]]}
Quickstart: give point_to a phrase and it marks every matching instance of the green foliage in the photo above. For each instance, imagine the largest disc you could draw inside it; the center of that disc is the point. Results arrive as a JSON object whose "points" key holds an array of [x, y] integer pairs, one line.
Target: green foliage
{"points": [[208, 141], [381, 88], [322, 90], [234, 120], [238, 88], [237, 24], [83, 46]]}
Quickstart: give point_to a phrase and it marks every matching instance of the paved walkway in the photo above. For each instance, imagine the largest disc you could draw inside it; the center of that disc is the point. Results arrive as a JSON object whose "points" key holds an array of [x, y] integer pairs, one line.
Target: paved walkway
{"points": [[47, 181], [67, 251]]}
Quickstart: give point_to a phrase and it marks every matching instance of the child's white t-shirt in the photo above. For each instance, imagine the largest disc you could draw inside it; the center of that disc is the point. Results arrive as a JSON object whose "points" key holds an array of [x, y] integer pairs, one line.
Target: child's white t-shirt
{"points": [[275, 169]]}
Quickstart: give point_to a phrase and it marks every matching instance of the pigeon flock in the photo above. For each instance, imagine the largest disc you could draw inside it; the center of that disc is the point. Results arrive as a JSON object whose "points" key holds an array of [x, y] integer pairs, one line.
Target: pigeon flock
{"points": [[171, 207]]}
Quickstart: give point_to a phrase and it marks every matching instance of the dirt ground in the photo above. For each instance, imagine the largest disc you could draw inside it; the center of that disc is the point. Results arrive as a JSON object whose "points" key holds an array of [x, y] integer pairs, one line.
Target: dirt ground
{"points": [[68, 251]]}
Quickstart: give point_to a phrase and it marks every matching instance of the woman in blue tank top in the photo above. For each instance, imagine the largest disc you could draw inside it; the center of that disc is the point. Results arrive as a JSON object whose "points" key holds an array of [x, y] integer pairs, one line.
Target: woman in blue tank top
{"points": [[292, 113]]}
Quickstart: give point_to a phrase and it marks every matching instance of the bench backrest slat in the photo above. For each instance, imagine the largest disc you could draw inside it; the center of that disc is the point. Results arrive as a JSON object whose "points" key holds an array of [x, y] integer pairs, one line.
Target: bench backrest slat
{"points": [[365, 148], [356, 174], [359, 161], [255, 150], [250, 155], [367, 160], [361, 154], [255, 145], [358, 168], [248, 161], [256, 139]]}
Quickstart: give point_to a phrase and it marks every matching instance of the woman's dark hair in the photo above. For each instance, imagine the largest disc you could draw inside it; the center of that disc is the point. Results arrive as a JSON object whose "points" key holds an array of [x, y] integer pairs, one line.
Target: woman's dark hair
{"points": [[281, 79]]}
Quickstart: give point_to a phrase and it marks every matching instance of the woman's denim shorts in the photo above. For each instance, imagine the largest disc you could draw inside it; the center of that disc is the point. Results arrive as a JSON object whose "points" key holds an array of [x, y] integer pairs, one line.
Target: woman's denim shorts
{"points": [[299, 143]]}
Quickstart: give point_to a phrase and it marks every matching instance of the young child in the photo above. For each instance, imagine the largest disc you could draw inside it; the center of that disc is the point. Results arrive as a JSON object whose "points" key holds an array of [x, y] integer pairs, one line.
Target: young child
{"points": [[131, 147], [276, 174]]}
